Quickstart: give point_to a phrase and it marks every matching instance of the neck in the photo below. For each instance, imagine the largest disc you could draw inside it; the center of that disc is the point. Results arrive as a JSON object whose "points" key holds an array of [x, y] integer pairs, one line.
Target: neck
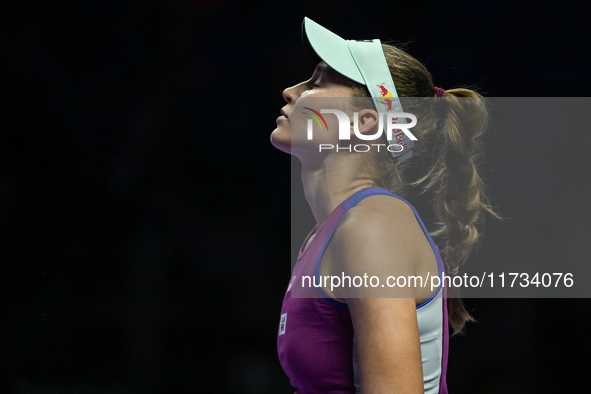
{"points": [[330, 182]]}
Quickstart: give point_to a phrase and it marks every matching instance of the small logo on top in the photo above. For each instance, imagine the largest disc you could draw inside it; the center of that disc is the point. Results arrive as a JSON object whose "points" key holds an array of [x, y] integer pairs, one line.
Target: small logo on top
{"points": [[386, 96], [282, 324]]}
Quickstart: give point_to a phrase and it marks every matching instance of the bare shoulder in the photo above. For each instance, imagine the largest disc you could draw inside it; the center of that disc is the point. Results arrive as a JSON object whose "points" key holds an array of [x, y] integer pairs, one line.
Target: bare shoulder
{"points": [[386, 209], [379, 223], [379, 237]]}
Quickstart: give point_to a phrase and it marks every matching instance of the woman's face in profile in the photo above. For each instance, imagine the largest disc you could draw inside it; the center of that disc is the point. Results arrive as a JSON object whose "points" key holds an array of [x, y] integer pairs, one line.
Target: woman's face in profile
{"points": [[326, 89]]}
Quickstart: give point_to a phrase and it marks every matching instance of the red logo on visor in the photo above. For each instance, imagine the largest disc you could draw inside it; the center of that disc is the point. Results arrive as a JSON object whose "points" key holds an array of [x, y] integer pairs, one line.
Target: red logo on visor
{"points": [[386, 96]]}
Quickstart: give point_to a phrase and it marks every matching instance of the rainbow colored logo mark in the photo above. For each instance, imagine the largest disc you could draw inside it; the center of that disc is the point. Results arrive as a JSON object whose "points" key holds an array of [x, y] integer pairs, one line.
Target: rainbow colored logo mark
{"points": [[316, 118]]}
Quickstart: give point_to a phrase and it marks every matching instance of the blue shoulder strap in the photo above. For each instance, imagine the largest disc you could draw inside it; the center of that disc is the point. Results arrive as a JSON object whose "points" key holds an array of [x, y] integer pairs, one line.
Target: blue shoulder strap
{"points": [[363, 194]]}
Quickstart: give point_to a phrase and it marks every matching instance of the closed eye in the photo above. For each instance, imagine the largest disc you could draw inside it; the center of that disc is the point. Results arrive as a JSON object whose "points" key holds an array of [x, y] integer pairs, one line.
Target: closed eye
{"points": [[315, 84]]}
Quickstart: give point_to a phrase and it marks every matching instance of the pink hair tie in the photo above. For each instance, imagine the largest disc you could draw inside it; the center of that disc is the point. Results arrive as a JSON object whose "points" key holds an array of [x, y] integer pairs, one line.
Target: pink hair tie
{"points": [[439, 92]]}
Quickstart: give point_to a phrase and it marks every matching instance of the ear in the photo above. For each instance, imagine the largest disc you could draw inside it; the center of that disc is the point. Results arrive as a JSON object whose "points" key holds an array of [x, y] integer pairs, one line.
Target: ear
{"points": [[368, 122]]}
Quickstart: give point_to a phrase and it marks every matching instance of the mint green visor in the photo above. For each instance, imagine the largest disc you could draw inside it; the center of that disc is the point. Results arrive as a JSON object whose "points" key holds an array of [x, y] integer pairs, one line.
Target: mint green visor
{"points": [[362, 61]]}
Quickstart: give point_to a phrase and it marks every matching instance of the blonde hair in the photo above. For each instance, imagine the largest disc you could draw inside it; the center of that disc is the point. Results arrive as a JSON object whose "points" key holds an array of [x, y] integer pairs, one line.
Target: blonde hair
{"points": [[448, 133]]}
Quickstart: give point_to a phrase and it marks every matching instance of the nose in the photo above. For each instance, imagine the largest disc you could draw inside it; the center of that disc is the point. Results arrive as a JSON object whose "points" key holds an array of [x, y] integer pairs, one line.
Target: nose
{"points": [[291, 94]]}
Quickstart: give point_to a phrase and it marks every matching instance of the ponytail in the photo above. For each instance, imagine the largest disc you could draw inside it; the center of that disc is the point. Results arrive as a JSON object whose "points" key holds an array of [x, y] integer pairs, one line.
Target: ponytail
{"points": [[459, 190]]}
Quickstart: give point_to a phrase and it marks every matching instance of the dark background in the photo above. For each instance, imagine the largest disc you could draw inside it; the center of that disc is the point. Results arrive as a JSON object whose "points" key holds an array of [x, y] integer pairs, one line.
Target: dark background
{"points": [[144, 215]]}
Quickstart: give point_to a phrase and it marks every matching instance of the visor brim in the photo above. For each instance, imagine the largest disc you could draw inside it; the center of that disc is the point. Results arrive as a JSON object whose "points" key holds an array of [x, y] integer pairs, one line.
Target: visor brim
{"points": [[333, 50]]}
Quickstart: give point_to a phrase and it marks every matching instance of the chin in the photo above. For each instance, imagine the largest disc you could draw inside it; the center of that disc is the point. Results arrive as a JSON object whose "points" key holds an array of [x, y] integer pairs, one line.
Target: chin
{"points": [[283, 144]]}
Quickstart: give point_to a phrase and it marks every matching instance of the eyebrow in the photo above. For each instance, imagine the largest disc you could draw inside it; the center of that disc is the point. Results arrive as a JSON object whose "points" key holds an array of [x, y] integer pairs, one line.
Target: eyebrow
{"points": [[327, 70], [321, 68]]}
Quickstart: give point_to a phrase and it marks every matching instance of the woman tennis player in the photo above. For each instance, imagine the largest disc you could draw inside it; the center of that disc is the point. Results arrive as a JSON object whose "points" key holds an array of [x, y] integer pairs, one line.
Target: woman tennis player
{"points": [[337, 341]]}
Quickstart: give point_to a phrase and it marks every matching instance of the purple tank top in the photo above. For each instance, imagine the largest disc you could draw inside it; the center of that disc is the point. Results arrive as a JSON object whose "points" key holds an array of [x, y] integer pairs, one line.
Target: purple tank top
{"points": [[315, 340]]}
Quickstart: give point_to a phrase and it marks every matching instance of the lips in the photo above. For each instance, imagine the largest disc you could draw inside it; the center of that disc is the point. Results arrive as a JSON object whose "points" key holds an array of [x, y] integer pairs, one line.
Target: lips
{"points": [[284, 114]]}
